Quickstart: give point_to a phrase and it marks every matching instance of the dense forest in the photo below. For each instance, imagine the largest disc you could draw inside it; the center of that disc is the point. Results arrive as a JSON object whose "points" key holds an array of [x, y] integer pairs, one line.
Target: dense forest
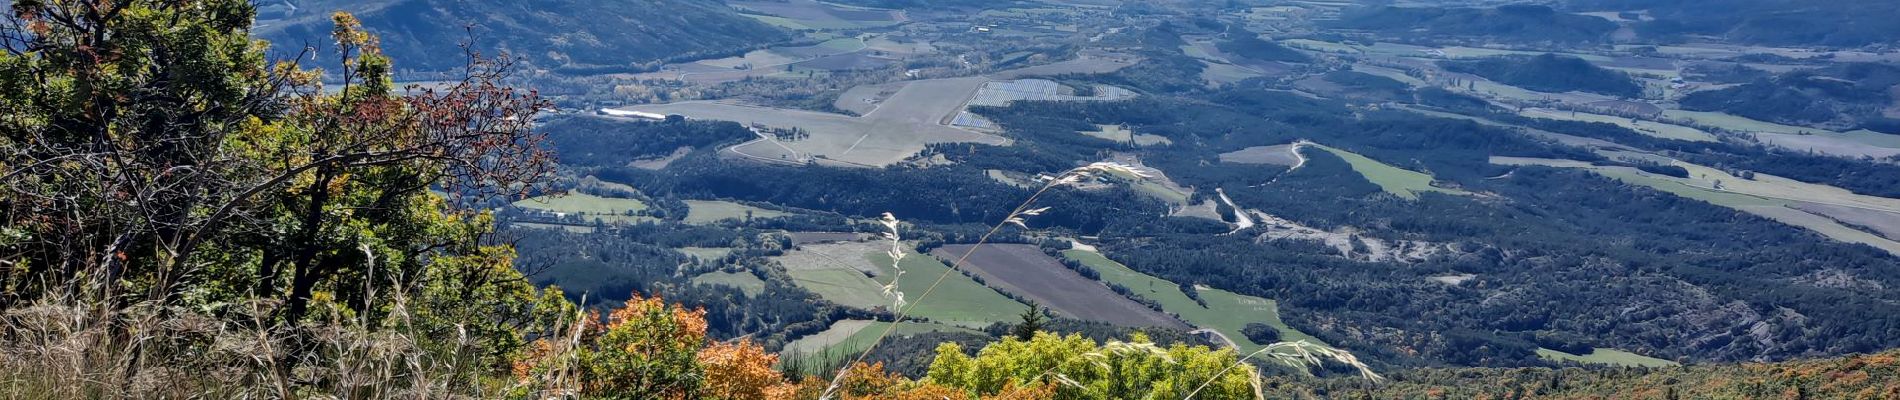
{"points": [[1549, 73]]}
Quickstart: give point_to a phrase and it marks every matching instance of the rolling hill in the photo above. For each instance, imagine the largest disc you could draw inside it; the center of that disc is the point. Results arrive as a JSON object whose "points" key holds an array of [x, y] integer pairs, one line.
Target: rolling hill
{"points": [[571, 35], [1519, 23]]}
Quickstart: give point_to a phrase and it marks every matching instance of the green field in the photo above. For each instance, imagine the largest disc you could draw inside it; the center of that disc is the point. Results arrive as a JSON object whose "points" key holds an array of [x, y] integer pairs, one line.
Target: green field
{"points": [[1226, 312], [1766, 207], [1735, 123], [845, 339], [746, 282], [707, 253], [1402, 182], [842, 285], [1657, 129], [958, 301], [589, 206], [1767, 196], [836, 272], [1607, 357], [1322, 46], [706, 212]]}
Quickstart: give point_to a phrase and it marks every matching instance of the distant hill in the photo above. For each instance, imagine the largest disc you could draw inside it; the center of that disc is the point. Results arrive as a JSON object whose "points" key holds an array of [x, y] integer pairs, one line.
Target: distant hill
{"points": [[574, 35], [1771, 22], [1549, 73], [1519, 23], [1838, 96], [1254, 48]]}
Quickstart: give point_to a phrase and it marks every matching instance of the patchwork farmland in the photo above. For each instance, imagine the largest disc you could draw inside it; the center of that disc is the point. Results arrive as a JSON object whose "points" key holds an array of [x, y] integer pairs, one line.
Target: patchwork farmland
{"points": [[897, 128], [897, 120], [1026, 272]]}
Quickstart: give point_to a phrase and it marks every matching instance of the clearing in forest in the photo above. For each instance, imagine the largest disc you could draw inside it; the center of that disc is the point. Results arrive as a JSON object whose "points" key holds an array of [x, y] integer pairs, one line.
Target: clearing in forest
{"points": [[706, 212], [744, 281], [1405, 183]]}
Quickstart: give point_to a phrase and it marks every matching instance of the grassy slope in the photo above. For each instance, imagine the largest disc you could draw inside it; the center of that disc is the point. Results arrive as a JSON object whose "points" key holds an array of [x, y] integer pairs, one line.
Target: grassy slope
{"points": [[958, 301], [746, 282], [849, 337], [1607, 357], [705, 212], [1226, 312]]}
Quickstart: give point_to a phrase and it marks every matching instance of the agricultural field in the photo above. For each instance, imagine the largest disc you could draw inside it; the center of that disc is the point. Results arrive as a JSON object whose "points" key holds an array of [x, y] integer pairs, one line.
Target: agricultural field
{"points": [[804, 238], [958, 301], [1398, 181], [744, 281], [1767, 196], [1282, 155], [1859, 143], [1001, 93], [1607, 357], [589, 207], [854, 273], [1321, 46], [895, 130], [1226, 312], [1025, 271], [1886, 224], [847, 338], [897, 119], [757, 63], [1657, 129], [706, 212], [823, 270]]}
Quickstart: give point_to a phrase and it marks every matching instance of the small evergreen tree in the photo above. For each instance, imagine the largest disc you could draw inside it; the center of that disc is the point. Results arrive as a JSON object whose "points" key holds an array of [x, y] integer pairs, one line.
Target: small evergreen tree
{"points": [[1032, 322]]}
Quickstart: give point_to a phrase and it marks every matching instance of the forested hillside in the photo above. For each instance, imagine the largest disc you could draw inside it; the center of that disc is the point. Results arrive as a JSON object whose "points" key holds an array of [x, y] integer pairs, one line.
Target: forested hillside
{"points": [[1550, 73], [1846, 96], [1514, 23], [1768, 22], [564, 35]]}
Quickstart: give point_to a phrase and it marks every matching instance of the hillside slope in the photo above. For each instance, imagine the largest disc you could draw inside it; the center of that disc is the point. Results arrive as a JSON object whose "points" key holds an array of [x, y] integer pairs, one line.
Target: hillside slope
{"points": [[1852, 377], [572, 35]]}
